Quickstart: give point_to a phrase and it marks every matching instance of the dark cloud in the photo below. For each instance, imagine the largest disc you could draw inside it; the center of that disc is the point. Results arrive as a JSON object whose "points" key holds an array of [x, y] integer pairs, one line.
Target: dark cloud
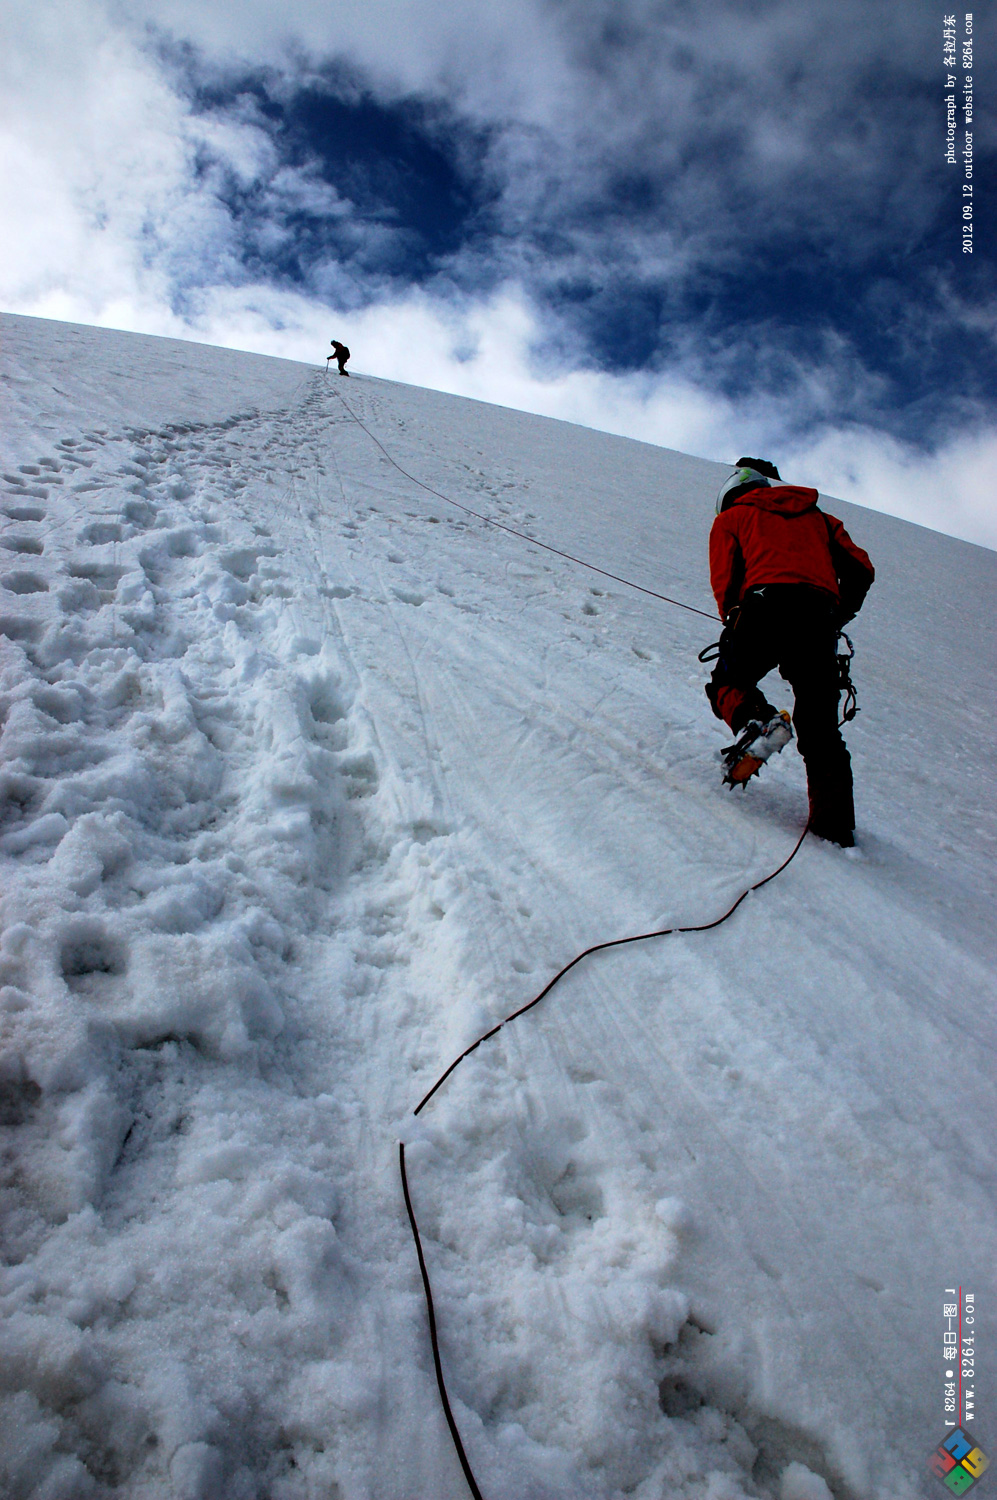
{"points": [[386, 191]]}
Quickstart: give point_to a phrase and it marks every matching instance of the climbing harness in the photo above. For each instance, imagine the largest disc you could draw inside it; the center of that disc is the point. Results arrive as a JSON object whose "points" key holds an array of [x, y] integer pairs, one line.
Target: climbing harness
{"points": [[844, 656], [639, 937]]}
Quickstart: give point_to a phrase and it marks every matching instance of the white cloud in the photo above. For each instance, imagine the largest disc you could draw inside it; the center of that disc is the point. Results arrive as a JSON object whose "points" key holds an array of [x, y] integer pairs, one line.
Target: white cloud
{"points": [[112, 205], [484, 351], [951, 490], [499, 60], [101, 197]]}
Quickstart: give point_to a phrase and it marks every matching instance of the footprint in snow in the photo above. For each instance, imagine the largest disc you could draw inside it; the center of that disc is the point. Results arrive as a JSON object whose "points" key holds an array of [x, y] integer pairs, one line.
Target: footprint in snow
{"points": [[24, 512], [104, 576], [138, 513], [36, 491], [99, 533], [90, 958], [24, 583], [30, 545], [20, 627], [577, 1195]]}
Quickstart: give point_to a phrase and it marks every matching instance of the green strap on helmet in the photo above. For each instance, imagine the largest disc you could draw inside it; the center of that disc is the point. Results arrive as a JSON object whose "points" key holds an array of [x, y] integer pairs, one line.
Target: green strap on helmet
{"points": [[740, 482]]}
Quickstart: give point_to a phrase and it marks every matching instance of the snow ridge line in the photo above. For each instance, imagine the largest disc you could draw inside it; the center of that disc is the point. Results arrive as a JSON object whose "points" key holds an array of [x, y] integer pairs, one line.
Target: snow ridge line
{"points": [[639, 937], [522, 535]]}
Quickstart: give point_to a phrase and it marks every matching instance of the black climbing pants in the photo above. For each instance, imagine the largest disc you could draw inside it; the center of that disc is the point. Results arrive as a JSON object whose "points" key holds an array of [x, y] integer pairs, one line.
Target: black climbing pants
{"points": [[793, 627]]}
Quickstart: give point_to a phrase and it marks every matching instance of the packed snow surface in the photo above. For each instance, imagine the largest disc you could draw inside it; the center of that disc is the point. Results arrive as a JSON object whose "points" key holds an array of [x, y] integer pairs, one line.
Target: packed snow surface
{"points": [[307, 778]]}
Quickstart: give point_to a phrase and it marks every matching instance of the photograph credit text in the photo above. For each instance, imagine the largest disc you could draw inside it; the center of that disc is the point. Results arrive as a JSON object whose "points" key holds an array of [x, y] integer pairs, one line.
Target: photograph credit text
{"points": [[957, 58]]}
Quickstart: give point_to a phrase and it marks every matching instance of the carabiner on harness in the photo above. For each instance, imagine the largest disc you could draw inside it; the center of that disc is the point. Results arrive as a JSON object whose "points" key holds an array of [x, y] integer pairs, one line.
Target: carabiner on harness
{"points": [[845, 683]]}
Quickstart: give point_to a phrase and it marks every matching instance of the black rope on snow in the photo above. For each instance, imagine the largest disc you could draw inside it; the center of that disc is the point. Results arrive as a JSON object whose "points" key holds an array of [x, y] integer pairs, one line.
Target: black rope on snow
{"points": [[523, 535], [434, 1340], [639, 937]]}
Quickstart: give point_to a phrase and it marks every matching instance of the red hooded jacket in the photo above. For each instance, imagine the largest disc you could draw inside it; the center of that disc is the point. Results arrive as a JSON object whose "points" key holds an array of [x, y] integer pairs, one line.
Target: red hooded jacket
{"points": [[777, 535]]}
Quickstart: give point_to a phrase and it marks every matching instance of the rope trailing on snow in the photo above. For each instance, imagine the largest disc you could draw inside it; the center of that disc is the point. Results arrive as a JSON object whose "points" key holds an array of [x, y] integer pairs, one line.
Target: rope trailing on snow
{"points": [[523, 535], [433, 1337], [639, 937]]}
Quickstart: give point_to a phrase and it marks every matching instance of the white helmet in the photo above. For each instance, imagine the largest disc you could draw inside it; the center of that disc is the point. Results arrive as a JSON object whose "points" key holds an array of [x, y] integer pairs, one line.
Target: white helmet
{"points": [[740, 482]]}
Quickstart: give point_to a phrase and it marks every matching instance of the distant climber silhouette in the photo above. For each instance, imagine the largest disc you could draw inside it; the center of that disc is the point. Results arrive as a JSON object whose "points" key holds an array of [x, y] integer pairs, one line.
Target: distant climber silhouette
{"points": [[340, 354]]}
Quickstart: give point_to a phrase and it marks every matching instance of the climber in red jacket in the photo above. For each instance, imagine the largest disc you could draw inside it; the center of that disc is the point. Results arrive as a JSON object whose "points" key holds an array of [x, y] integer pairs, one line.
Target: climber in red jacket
{"points": [[786, 577]]}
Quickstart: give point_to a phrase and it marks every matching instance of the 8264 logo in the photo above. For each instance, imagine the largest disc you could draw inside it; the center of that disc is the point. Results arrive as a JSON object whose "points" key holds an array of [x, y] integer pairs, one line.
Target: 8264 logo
{"points": [[959, 1462]]}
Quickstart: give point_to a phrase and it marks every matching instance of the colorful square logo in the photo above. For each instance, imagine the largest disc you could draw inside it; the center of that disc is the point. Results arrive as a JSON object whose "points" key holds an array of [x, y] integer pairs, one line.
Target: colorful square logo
{"points": [[959, 1462]]}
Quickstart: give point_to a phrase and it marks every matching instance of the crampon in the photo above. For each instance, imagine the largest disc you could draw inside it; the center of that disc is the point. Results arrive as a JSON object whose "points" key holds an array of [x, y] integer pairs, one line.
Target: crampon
{"points": [[752, 748]]}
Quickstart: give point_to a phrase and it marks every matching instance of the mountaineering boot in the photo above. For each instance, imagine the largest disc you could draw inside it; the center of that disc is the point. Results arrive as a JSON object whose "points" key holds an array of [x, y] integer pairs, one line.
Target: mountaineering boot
{"points": [[833, 819], [829, 782], [751, 750], [843, 837]]}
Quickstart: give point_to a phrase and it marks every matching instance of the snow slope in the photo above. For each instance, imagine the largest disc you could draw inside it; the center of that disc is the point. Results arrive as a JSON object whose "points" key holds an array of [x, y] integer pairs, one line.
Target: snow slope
{"points": [[307, 778]]}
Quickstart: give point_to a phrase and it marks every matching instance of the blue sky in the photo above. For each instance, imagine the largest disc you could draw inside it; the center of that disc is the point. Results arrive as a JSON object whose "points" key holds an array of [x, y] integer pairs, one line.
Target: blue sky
{"points": [[725, 227]]}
